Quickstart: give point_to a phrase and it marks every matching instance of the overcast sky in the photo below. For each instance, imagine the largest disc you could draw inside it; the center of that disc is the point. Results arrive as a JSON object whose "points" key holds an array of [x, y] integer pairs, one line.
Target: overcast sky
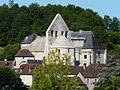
{"points": [[103, 7]]}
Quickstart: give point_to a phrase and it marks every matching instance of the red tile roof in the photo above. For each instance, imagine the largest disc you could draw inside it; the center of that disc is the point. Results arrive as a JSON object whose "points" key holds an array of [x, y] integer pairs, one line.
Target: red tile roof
{"points": [[7, 64], [24, 53], [27, 69]]}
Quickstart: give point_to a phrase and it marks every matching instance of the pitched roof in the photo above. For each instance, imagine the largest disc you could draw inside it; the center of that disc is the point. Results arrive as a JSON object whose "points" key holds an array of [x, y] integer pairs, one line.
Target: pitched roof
{"points": [[38, 44], [62, 42], [29, 39], [93, 70], [24, 53], [80, 82], [90, 40], [58, 24], [7, 64], [27, 69], [76, 69]]}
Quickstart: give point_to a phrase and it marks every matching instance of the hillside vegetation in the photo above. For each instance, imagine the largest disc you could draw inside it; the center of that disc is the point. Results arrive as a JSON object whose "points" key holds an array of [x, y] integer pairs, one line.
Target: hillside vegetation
{"points": [[17, 22]]}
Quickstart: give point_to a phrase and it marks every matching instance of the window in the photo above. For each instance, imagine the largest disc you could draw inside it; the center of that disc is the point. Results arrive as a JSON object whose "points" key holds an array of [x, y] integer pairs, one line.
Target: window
{"points": [[62, 32], [87, 81], [52, 33], [99, 54], [95, 80], [55, 33], [58, 50], [68, 50], [85, 56], [66, 34]]}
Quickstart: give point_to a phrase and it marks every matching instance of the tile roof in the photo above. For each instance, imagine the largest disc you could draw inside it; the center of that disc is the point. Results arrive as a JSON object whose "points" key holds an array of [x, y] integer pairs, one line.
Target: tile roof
{"points": [[117, 61], [7, 64], [80, 82], [76, 69], [27, 69], [24, 53], [93, 70]]}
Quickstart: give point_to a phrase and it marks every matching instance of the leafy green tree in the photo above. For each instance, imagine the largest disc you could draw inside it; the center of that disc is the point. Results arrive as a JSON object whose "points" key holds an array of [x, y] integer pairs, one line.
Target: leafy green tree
{"points": [[9, 51], [9, 80], [52, 75]]}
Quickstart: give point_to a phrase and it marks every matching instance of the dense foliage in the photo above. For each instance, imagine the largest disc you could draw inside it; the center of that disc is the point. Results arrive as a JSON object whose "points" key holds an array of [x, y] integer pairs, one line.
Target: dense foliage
{"points": [[53, 75], [110, 76], [9, 80], [9, 51], [18, 22]]}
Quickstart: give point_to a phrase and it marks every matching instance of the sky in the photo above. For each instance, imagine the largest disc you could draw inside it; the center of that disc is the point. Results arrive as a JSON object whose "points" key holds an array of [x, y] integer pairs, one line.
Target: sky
{"points": [[102, 7]]}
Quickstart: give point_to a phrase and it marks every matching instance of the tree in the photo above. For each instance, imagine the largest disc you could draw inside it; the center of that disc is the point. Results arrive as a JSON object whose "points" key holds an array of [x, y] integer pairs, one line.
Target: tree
{"points": [[111, 71], [52, 75], [9, 51], [9, 80]]}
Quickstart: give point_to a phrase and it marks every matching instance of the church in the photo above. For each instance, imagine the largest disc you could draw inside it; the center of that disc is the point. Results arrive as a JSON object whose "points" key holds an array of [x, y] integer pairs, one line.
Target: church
{"points": [[82, 46]]}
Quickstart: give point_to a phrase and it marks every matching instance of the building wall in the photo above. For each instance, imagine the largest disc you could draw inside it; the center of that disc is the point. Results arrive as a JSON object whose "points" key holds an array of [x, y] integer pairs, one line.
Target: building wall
{"points": [[90, 82], [67, 51], [100, 55], [86, 57], [26, 79], [38, 55], [20, 60]]}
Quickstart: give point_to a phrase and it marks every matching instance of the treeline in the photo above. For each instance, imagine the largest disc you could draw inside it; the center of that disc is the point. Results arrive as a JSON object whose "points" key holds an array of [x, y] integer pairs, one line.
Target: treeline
{"points": [[17, 22]]}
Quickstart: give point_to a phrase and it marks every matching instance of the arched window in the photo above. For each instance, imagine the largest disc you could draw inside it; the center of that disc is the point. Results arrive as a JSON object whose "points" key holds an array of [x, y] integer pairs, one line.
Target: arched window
{"points": [[62, 32], [99, 54], [55, 33], [52, 33], [66, 33]]}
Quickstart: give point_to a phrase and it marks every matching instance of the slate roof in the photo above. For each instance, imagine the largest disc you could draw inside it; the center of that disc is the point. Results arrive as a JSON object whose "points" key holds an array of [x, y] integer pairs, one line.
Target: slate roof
{"points": [[27, 69], [7, 64], [38, 44], [91, 42], [62, 42], [29, 39], [24, 53], [58, 24]]}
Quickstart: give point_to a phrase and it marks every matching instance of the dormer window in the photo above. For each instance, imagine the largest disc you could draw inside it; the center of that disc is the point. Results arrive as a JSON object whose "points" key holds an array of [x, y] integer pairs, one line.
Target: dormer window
{"points": [[55, 33], [62, 32], [52, 33]]}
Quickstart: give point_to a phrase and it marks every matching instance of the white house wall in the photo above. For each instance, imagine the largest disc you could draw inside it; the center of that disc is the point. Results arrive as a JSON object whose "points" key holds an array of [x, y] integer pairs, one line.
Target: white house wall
{"points": [[38, 55], [26, 79], [20, 60]]}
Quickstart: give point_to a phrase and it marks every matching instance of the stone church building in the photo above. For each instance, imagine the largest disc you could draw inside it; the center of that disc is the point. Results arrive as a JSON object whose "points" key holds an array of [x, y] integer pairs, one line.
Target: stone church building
{"points": [[82, 46]]}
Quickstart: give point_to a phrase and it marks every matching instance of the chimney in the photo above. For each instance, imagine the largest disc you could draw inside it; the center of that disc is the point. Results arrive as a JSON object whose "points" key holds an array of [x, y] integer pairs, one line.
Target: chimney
{"points": [[85, 65], [6, 63]]}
